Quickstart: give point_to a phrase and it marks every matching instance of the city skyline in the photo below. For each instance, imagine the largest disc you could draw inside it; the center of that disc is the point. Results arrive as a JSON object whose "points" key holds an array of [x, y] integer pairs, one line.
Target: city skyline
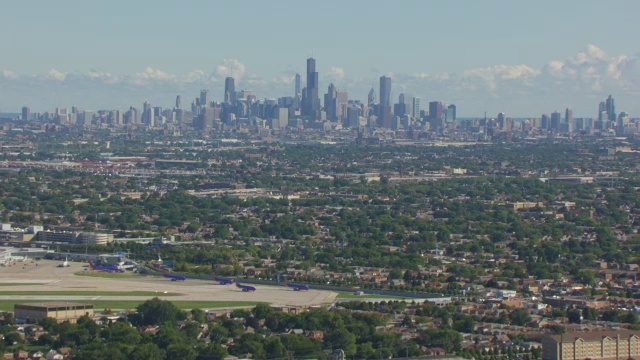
{"points": [[493, 56]]}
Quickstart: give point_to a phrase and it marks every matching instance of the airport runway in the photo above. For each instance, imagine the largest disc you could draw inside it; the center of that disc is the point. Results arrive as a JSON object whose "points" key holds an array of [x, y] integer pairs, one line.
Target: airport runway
{"points": [[30, 278]]}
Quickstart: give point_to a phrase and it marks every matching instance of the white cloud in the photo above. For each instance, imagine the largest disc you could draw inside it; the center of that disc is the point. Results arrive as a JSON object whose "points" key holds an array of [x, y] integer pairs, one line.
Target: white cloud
{"points": [[54, 74], [8, 74], [151, 74], [255, 80], [336, 73], [502, 72], [284, 79], [194, 76], [231, 67]]}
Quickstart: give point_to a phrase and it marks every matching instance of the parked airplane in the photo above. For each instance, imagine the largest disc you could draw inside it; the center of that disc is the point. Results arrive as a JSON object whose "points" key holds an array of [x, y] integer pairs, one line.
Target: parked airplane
{"points": [[173, 277], [65, 263], [222, 281], [296, 287], [107, 268], [245, 288]]}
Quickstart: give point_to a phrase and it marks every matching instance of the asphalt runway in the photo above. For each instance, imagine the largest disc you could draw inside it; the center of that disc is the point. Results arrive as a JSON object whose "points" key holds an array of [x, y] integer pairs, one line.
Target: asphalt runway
{"points": [[44, 275]]}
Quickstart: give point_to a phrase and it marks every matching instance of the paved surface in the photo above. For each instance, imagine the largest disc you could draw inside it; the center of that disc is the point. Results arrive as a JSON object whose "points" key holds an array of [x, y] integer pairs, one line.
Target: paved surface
{"points": [[44, 275]]}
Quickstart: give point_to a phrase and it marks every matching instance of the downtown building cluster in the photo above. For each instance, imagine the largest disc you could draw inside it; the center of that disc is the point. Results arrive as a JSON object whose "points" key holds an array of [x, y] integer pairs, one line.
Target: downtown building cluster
{"points": [[242, 111]]}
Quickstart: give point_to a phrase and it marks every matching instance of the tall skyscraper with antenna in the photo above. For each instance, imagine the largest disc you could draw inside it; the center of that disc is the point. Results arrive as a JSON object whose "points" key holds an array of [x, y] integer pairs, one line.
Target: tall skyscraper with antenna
{"points": [[311, 98]]}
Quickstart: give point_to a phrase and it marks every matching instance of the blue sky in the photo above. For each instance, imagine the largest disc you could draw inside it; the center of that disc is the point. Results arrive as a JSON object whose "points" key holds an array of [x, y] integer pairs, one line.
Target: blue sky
{"points": [[483, 55]]}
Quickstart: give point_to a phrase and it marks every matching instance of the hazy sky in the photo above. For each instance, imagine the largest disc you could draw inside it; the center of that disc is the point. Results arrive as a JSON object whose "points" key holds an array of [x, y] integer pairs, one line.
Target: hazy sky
{"points": [[522, 57]]}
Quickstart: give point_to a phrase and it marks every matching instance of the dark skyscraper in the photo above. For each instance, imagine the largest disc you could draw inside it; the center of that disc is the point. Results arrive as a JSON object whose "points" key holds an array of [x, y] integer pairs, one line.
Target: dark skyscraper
{"points": [[555, 121], [178, 102], [435, 110], [384, 110], [330, 103], [610, 108], [147, 114], [204, 97], [544, 122], [26, 113], [311, 103], [229, 91]]}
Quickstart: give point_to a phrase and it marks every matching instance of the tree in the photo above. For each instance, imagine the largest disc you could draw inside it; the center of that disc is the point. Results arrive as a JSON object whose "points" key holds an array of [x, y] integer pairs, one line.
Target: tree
{"points": [[447, 339], [342, 339], [155, 312], [147, 351], [574, 316], [199, 315], [121, 332], [180, 352], [262, 310], [213, 351], [274, 348], [218, 333], [519, 317]]}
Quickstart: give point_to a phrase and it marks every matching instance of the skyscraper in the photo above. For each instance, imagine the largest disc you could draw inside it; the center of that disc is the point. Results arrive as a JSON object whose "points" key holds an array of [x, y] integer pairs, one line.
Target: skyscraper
{"points": [[371, 97], [544, 122], [435, 110], [311, 103], [555, 121], [26, 113], [298, 93], [451, 113], [610, 108], [502, 119], [330, 102], [147, 114], [342, 102], [229, 91], [178, 102], [568, 120], [416, 108], [204, 97], [384, 110]]}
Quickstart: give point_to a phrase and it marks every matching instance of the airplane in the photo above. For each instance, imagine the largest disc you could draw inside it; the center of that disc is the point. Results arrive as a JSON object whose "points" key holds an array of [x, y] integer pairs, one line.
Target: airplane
{"points": [[173, 277], [296, 287], [245, 288], [107, 268], [222, 281], [65, 263]]}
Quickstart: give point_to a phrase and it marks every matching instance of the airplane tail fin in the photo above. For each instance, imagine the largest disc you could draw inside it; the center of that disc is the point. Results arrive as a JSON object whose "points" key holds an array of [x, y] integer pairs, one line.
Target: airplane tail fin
{"points": [[91, 265]]}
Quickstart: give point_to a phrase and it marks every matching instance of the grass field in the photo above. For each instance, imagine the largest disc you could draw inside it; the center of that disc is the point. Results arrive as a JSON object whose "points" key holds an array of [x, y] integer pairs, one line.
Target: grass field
{"points": [[98, 305], [107, 275], [348, 295], [88, 293]]}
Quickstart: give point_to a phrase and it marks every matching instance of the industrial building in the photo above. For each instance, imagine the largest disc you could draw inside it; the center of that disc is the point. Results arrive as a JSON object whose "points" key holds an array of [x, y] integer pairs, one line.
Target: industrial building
{"points": [[60, 311]]}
